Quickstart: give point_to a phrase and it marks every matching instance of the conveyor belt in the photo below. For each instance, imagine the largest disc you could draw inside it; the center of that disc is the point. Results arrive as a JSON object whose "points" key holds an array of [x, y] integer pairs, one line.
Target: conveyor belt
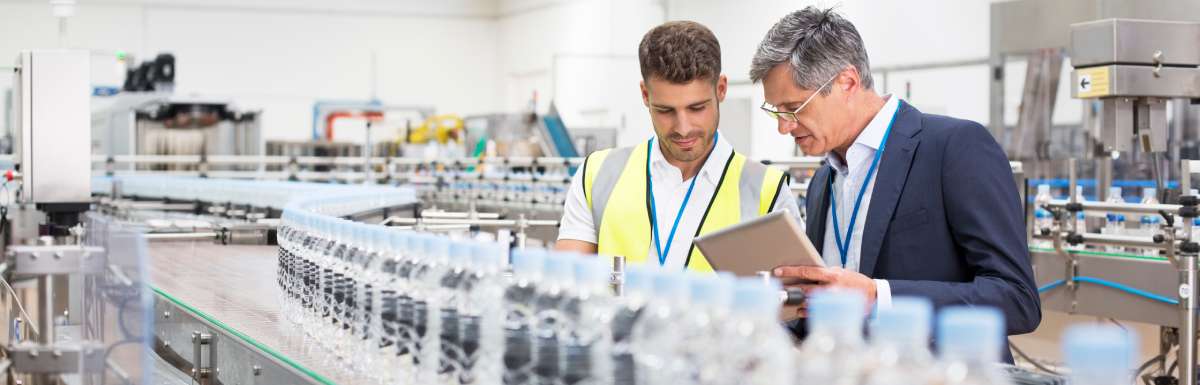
{"points": [[235, 285]]}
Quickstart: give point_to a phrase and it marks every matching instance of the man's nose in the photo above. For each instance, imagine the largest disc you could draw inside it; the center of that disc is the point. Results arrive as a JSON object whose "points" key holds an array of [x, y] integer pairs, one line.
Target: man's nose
{"points": [[784, 126]]}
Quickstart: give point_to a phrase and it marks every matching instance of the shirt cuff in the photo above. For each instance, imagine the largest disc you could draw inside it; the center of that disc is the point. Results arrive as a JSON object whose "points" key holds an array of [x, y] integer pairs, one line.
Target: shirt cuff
{"points": [[883, 294]]}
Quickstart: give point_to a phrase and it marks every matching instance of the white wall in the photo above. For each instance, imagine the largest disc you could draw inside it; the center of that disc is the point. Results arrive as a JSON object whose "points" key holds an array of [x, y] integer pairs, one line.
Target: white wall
{"points": [[281, 57], [895, 33], [583, 55]]}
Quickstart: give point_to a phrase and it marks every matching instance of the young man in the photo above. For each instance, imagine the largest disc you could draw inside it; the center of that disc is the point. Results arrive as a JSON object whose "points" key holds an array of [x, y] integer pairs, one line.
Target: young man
{"points": [[647, 202]]}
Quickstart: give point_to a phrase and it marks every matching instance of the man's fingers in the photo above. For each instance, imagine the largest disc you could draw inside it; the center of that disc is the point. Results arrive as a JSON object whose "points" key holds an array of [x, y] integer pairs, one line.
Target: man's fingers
{"points": [[807, 273]]}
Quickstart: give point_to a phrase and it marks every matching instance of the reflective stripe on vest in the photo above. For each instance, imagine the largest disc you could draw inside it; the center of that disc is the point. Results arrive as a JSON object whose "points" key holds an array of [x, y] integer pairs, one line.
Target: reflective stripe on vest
{"points": [[615, 189]]}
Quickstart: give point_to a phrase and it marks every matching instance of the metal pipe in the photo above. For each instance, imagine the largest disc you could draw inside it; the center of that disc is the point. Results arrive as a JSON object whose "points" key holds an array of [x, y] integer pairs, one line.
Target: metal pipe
{"points": [[477, 222], [170, 237], [45, 285], [1072, 196], [1129, 208], [1187, 322], [1113, 240]]}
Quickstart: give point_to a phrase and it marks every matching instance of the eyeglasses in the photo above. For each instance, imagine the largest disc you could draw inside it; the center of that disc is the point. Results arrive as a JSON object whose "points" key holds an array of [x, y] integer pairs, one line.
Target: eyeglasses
{"points": [[791, 116]]}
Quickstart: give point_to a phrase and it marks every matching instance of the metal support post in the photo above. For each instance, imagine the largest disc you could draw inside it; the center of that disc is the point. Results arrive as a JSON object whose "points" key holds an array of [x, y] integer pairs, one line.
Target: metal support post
{"points": [[1187, 310]]}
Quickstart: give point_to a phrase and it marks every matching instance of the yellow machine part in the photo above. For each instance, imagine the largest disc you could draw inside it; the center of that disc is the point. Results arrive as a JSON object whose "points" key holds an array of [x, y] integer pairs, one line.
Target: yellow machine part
{"points": [[438, 127]]}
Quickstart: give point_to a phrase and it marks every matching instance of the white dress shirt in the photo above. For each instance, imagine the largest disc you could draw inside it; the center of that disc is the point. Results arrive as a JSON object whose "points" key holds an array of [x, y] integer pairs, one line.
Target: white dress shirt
{"points": [[847, 182], [669, 190]]}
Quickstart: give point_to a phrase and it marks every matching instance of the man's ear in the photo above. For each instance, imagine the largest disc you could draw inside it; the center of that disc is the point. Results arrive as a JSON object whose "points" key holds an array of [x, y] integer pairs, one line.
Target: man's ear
{"points": [[645, 93], [722, 87]]}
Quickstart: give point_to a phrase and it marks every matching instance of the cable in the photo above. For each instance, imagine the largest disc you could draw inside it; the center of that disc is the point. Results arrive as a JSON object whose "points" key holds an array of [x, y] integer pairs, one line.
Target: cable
{"points": [[1051, 285], [1026, 357], [1113, 285], [1149, 362], [28, 320], [1119, 324]]}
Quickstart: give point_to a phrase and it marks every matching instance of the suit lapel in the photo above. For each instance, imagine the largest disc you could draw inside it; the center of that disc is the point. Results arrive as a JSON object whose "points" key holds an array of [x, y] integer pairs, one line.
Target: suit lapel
{"points": [[889, 182], [817, 206]]}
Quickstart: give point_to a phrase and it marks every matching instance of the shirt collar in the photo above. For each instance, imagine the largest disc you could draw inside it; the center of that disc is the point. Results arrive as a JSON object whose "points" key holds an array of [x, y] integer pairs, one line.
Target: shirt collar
{"points": [[713, 167], [871, 136]]}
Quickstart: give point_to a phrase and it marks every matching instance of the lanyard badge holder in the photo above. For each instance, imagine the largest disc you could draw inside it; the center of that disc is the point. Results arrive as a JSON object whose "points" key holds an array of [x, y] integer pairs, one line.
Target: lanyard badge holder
{"points": [[844, 246], [658, 247]]}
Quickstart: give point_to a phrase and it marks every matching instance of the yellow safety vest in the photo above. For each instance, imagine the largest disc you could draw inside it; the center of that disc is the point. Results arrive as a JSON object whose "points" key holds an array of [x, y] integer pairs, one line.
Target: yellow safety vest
{"points": [[615, 187]]}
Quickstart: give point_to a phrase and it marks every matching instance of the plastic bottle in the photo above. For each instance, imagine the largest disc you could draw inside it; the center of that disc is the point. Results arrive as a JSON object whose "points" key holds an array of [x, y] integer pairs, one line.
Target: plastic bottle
{"points": [[711, 299], [1100, 355], [1150, 224], [637, 288], [552, 318], [657, 331], [1042, 218], [587, 349], [759, 350], [900, 343], [834, 350], [519, 300], [481, 316], [1114, 222], [969, 342], [452, 298], [407, 337], [427, 296]]}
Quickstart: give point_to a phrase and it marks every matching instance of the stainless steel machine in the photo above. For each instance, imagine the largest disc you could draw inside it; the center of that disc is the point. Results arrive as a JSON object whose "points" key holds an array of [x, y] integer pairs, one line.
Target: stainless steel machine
{"points": [[1132, 67]]}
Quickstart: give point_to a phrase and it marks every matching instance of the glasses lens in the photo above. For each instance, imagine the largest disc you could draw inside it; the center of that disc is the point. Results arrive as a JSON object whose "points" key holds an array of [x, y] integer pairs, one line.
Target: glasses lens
{"points": [[787, 116]]}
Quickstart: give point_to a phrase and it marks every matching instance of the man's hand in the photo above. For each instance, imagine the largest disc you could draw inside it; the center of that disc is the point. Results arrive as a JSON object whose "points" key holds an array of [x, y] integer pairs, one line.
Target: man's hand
{"points": [[812, 279]]}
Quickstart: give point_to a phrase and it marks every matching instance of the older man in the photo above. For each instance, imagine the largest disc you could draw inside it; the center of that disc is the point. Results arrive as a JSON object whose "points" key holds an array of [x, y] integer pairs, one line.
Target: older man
{"points": [[908, 203]]}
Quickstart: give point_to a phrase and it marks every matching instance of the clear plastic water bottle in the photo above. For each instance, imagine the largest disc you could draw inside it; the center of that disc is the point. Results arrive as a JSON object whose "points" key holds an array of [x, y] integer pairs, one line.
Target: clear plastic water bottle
{"points": [[452, 299], [407, 336], [1100, 355], [1150, 224], [969, 341], [427, 297], [552, 317], [1114, 222], [1042, 219], [520, 297], [900, 343], [637, 285], [834, 350], [481, 316], [657, 331], [758, 350], [587, 349], [711, 300]]}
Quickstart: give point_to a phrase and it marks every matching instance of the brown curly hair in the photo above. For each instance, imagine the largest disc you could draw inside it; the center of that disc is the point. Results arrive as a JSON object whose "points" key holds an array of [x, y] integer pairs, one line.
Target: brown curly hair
{"points": [[679, 52]]}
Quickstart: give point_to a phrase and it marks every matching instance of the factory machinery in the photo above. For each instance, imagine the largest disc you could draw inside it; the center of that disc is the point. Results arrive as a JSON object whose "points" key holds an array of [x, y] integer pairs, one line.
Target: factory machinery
{"points": [[123, 269]]}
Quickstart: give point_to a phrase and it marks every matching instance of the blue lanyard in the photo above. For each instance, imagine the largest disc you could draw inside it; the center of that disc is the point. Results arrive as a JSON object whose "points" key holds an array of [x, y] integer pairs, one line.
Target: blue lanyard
{"points": [[662, 252], [844, 247]]}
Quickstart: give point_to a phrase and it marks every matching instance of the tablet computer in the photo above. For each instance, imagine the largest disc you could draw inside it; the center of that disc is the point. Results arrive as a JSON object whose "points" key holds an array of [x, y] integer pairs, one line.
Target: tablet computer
{"points": [[760, 244]]}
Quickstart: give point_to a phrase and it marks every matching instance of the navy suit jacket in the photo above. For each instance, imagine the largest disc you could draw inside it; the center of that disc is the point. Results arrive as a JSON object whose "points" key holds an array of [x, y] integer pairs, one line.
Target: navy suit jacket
{"points": [[945, 221]]}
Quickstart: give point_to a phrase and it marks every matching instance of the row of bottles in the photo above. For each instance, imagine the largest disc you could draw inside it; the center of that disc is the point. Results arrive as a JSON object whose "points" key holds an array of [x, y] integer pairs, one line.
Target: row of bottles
{"points": [[1114, 223], [392, 306]]}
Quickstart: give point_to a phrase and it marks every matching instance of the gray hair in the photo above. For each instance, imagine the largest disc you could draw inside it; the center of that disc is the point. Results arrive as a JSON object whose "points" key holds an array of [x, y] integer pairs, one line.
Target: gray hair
{"points": [[817, 44]]}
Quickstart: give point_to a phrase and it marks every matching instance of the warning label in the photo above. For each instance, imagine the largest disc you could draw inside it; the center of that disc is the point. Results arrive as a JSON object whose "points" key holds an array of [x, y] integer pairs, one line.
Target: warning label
{"points": [[1091, 82]]}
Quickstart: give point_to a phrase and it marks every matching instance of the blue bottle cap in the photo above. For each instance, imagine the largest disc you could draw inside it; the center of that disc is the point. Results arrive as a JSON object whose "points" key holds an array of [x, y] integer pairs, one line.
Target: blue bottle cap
{"points": [[837, 310], [1099, 353], [970, 333]]}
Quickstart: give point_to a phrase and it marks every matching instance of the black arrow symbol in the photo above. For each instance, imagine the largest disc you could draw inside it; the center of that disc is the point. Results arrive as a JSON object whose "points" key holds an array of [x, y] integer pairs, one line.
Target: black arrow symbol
{"points": [[1083, 83]]}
